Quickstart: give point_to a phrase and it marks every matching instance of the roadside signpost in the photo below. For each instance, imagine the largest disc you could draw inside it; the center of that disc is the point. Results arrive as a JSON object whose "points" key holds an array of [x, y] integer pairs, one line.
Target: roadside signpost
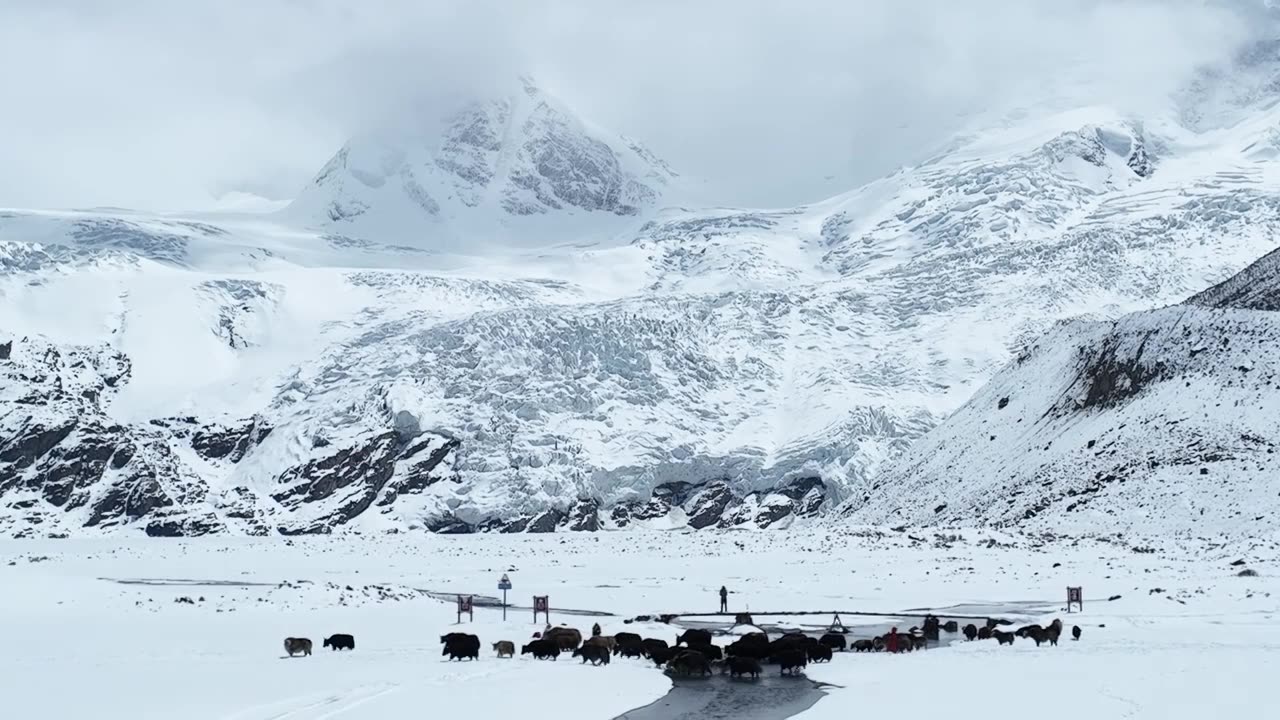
{"points": [[836, 626], [466, 604], [1075, 596], [504, 584], [542, 604]]}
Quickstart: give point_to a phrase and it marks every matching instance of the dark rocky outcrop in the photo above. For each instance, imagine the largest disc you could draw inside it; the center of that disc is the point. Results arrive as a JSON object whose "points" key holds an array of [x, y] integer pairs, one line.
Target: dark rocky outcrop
{"points": [[214, 442], [545, 522], [357, 474], [584, 516], [60, 451], [1112, 380], [707, 506]]}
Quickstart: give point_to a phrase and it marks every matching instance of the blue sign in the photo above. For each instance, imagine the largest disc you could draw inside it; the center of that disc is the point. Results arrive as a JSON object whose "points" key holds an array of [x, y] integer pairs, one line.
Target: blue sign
{"points": [[504, 583]]}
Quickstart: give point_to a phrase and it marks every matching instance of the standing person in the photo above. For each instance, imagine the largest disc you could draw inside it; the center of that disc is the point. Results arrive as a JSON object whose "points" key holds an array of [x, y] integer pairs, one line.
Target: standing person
{"points": [[891, 642], [724, 599], [595, 630]]}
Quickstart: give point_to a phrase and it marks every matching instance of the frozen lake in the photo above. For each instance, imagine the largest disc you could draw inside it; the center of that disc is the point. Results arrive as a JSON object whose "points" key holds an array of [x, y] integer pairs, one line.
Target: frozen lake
{"points": [[143, 629]]}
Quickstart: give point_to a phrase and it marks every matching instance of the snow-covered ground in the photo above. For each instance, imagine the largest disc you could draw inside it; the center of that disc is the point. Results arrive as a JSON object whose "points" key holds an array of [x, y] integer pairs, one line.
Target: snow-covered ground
{"points": [[1187, 638]]}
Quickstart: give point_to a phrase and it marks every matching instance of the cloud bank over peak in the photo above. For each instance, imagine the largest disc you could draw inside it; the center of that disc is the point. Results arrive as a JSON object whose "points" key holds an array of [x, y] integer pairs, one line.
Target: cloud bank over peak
{"points": [[164, 105]]}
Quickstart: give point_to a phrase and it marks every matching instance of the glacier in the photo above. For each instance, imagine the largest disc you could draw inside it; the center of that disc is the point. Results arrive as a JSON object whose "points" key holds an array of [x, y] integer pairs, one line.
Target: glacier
{"points": [[512, 320]]}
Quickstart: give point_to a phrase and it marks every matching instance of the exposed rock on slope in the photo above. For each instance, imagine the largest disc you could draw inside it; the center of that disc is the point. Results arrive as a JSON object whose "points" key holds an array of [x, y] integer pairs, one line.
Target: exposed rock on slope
{"points": [[1257, 287], [1162, 422], [65, 465]]}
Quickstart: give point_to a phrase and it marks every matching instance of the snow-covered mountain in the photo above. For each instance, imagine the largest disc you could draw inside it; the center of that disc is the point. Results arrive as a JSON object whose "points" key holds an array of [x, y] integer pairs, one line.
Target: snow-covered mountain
{"points": [[519, 164], [1160, 423], [609, 359]]}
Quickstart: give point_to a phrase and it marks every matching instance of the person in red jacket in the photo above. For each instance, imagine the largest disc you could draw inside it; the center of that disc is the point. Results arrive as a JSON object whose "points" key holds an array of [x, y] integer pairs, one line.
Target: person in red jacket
{"points": [[891, 641]]}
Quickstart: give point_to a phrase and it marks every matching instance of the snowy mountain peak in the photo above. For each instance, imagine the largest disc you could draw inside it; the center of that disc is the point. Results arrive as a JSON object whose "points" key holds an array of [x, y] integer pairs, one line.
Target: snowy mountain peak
{"points": [[492, 167]]}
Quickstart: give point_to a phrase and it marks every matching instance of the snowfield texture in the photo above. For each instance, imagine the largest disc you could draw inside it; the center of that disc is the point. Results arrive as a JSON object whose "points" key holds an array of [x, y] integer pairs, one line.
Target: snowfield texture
{"points": [[515, 321], [193, 628], [1160, 422]]}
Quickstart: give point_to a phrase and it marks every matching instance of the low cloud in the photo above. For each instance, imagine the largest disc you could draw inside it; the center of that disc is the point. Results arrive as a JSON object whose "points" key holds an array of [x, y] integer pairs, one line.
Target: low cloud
{"points": [[163, 105]]}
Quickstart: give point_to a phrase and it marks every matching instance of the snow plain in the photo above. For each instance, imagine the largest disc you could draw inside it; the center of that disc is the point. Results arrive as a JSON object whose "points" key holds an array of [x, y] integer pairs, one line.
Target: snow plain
{"points": [[1187, 638]]}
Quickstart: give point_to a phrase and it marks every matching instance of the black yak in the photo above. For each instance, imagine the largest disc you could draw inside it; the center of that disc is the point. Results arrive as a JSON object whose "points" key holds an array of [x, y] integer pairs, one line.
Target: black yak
{"points": [[465, 647], [542, 650], [652, 645], [819, 653], [835, 641], [1026, 630], [694, 637], [690, 662], [341, 641], [792, 661], [739, 666], [712, 652], [629, 650]]}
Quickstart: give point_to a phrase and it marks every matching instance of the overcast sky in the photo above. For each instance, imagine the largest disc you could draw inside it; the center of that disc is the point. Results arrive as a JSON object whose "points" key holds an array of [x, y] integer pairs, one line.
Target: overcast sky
{"points": [[166, 104]]}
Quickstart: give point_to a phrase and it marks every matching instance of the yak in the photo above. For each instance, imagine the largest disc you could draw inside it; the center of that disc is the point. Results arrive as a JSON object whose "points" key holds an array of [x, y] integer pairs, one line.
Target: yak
{"points": [[690, 661], [566, 637], [598, 655], [1026, 630], [819, 653], [341, 641], [629, 650], [466, 647], [294, 646], [661, 656], [740, 666], [835, 641], [652, 645], [694, 637], [542, 650], [607, 643], [712, 652], [792, 661]]}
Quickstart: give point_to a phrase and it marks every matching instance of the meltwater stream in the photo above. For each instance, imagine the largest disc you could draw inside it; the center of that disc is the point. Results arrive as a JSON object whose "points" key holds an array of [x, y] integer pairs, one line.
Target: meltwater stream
{"points": [[772, 697]]}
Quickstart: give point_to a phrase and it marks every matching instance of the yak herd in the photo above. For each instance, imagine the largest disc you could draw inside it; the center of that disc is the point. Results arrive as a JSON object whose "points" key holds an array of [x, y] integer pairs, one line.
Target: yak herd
{"points": [[694, 653]]}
